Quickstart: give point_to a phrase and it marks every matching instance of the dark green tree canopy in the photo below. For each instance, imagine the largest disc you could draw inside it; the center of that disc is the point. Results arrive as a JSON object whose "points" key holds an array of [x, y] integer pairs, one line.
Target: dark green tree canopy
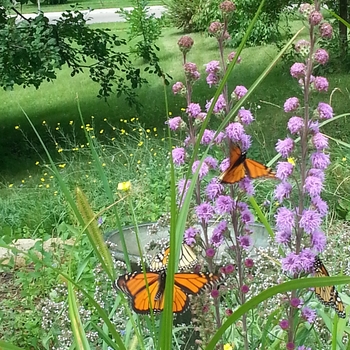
{"points": [[32, 50]]}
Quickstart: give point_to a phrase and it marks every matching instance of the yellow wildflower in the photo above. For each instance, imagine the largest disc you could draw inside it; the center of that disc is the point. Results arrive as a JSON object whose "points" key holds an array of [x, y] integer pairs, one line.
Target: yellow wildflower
{"points": [[71, 122], [228, 347], [124, 186], [42, 179], [36, 163], [10, 185], [291, 160], [140, 143], [44, 122], [344, 159], [101, 131], [17, 127], [105, 119], [61, 165], [60, 150], [170, 113]]}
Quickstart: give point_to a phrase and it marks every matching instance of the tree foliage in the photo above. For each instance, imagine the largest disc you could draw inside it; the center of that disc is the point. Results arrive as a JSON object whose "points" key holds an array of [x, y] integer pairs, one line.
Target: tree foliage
{"points": [[32, 50]]}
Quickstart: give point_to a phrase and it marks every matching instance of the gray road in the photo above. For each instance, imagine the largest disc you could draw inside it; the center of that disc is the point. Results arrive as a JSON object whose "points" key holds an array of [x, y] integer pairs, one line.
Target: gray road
{"points": [[102, 16]]}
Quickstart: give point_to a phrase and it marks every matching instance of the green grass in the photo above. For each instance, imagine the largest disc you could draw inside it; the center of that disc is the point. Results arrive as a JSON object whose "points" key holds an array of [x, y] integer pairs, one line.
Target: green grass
{"points": [[83, 5], [56, 102]]}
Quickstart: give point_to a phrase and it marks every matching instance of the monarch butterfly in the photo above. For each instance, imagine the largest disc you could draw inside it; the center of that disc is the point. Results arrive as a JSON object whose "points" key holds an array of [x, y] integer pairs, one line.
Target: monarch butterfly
{"points": [[134, 286], [240, 167], [187, 259], [327, 295]]}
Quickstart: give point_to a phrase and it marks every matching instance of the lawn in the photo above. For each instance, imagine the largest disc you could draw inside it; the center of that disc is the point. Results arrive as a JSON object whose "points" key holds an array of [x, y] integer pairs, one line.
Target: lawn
{"points": [[81, 5], [56, 102]]}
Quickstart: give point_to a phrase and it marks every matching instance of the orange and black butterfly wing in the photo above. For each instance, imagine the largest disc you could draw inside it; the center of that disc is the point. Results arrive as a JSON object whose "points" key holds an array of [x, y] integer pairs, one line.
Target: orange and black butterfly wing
{"points": [[236, 170], [254, 169], [134, 286], [328, 295]]}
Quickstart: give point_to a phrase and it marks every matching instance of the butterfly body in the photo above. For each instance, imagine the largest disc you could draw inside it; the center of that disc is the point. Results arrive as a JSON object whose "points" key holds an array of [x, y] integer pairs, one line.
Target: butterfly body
{"points": [[185, 284], [327, 295], [240, 166]]}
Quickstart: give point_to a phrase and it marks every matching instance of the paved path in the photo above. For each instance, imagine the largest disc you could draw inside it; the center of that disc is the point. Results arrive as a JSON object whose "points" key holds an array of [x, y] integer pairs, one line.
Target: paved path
{"points": [[101, 16]]}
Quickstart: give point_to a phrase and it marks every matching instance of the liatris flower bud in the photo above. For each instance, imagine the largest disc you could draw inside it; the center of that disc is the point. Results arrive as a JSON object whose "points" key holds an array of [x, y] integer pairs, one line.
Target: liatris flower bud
{"points": [[185, 43], [178, 87], [315, 18], [232, 55], [306, 9], [302, 47], [284, 324], [321, 56], [227, 6], [326, 30], [297, 70], [215, 28]]}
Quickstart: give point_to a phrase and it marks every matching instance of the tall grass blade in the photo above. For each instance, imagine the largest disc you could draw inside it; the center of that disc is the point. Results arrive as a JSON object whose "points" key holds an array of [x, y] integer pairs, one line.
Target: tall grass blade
{"points": [[80, 339]]}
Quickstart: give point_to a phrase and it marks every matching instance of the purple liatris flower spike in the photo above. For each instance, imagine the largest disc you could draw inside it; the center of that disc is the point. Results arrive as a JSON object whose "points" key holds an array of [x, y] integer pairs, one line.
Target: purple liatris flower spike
{"points": [[320, 205], [283, 237], [317, 172], [247, 217], [219, 138], [193, 110], [326, 30], [179, 155], [207, 137], [190, 235], [219, 105], [320, 160], [308, 314], [320, 141], [212, 79], [295, 124], [178, 87], [214, 189], [321, 84], [297, 70], [283, 190], [175, 123], [313, 185], [212, 67], [246, 185], [291, 104], [325, 111], [307, 259], [235, 131], [291, 263], [218, 234], [285, 219], [318, 241], [245, 241], [284, 324], [224, 204], [211, 162], [310, 220], [245, 116], [224, 165], [284, 170], [321, 56], [202, 171], [239, 92], [285, 147], [205, 212]]}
